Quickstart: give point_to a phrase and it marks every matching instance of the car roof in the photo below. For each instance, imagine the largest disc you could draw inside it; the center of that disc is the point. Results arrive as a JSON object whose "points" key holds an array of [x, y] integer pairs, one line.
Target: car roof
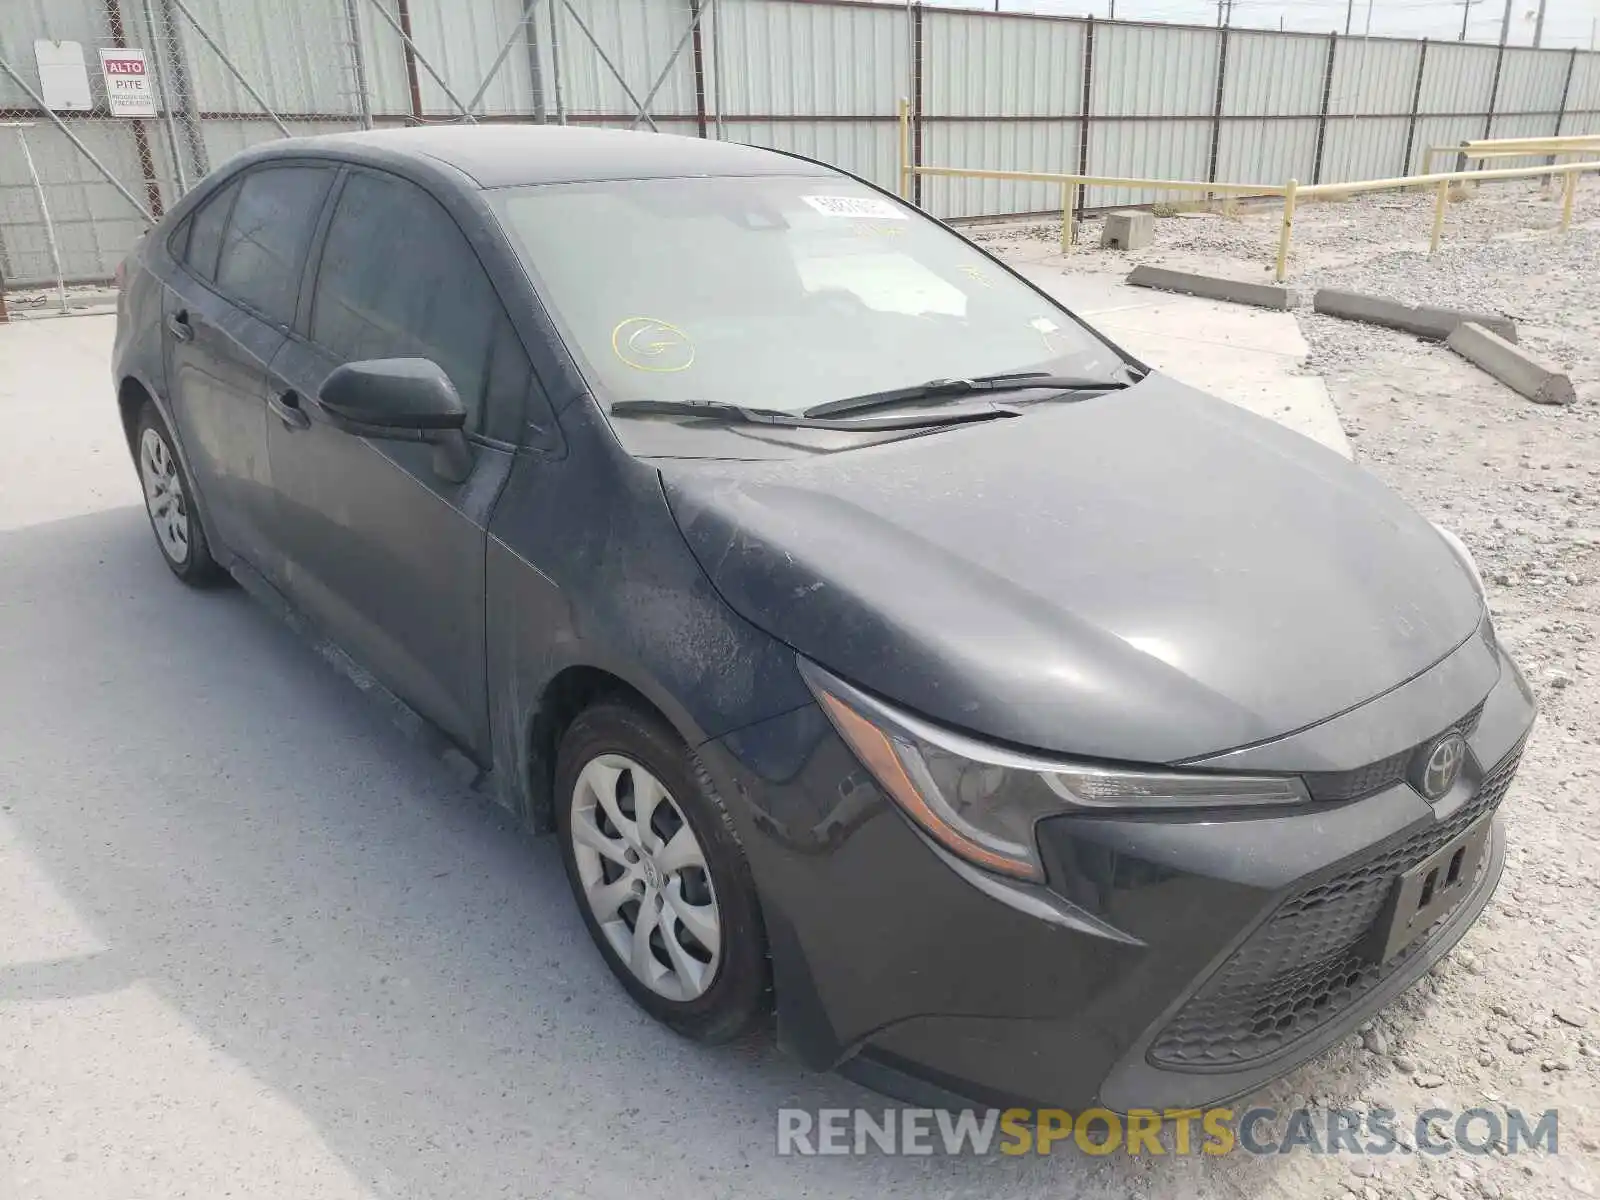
{"points": [[507, 155]]}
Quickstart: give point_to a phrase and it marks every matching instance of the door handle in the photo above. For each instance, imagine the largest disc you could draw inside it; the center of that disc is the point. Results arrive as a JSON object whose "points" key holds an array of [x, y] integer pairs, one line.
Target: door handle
{"points": [[178, 325], [287, 406]]}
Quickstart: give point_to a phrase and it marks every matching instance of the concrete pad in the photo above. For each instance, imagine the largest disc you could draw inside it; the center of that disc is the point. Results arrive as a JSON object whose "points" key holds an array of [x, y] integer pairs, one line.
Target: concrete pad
{"points": [[1262, 295], [1247, 356], [1424, 320], [1511, 365], [1131, 230]]}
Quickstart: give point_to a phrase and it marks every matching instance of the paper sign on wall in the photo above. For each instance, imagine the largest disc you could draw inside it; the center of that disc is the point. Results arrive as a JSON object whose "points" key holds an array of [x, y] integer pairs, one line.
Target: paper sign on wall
{"points": [[63, 79], [128, 83]]}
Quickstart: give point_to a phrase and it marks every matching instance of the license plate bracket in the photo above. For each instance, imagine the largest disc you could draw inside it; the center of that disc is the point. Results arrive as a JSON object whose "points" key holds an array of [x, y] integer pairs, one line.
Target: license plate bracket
{"points": [[1426, 892]]}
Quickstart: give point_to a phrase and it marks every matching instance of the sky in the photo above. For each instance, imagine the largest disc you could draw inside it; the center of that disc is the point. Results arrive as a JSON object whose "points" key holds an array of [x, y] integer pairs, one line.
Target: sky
{"points": [[1566, 23]]}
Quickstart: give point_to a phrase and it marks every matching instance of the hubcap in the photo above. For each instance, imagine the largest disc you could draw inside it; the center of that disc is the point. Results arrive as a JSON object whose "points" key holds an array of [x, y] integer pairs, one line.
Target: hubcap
{"points": [[644, 876], [163, 496]]}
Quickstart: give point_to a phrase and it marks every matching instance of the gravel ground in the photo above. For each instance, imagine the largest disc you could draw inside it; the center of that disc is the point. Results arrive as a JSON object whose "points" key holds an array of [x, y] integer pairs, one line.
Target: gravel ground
{"points": [[1510, 1017]]}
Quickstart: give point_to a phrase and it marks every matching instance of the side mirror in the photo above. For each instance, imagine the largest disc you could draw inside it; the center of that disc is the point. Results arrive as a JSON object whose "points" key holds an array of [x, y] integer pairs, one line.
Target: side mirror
{"points": [[401, 399]]}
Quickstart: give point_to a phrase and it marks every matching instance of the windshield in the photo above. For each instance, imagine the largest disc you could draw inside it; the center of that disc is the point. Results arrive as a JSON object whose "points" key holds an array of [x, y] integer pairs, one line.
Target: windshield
{"points": [[781, 291]]}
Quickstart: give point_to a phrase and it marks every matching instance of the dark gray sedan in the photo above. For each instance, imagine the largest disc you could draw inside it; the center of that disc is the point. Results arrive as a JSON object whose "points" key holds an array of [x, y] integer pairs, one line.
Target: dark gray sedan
{"points": [[880, 642]]}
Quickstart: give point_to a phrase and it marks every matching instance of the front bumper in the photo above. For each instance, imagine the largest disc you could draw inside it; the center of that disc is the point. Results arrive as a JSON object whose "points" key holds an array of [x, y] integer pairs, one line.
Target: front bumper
{"points": [[1174, 961]]}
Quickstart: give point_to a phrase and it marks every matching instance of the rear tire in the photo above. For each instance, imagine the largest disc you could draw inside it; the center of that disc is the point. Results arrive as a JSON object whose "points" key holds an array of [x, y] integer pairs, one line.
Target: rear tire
{"points": [[169, 502], [646, 841]]}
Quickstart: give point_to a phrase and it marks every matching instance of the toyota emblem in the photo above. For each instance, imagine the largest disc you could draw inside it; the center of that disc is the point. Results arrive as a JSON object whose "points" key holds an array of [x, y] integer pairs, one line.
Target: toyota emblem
{"points": [[1438, 770]]}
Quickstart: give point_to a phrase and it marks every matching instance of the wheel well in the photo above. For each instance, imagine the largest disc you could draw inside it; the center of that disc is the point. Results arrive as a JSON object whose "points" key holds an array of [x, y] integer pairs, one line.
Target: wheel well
{"points": [[131, 397], [568, 694]]}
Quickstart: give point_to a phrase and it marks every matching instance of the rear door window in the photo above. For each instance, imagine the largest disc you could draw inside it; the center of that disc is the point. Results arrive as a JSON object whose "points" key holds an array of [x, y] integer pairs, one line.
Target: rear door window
{"points": [[269, 231], [205, 231], [399, 279]]}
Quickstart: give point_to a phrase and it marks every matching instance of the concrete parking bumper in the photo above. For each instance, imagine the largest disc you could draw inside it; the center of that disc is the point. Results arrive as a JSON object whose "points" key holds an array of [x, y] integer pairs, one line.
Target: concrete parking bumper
{"points": [[1424, 320], [1261, 295], [1511, 365]]}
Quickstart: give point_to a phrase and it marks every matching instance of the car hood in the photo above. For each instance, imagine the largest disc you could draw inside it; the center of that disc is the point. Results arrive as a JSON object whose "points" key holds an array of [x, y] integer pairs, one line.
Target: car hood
{"points": [[1152, 575]]}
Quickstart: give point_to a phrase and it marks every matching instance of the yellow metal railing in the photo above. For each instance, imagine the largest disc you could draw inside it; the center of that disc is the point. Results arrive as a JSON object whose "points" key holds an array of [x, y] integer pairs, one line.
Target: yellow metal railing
{"points": [[1292, 191]]}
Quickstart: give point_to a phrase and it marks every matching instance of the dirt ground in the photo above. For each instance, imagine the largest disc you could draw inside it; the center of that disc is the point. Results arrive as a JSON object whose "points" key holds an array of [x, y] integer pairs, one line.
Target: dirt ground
{"points": [[1510, 1018]]}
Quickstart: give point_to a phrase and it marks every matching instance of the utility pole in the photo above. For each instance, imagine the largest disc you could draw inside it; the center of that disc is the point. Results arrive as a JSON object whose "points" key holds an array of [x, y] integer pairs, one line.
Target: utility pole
{"points": [[1505, 23], [1466, 7], [1349, 11], [1538, 26]]}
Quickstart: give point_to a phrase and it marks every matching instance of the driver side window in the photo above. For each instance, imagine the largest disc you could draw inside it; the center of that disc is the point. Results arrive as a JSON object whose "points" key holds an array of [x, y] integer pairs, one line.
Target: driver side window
{"points": [[398, 279]]}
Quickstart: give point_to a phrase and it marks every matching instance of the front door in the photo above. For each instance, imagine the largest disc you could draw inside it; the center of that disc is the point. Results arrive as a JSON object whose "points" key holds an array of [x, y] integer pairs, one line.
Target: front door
{"points": [[380, 550], [226, 316]]}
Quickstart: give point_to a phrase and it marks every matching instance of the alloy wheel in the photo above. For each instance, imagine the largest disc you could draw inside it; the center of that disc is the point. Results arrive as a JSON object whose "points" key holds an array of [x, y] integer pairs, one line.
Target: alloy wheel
{"points": [[163, 496], [644, 876]]}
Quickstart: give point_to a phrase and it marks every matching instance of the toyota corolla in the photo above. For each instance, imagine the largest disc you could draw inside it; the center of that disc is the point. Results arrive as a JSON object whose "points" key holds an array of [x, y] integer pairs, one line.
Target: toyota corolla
{"points": [[883, 645]]}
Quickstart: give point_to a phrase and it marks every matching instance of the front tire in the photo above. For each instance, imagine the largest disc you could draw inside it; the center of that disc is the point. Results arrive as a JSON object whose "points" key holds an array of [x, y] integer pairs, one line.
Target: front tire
{"points": [[659, 874], [169, 502]]}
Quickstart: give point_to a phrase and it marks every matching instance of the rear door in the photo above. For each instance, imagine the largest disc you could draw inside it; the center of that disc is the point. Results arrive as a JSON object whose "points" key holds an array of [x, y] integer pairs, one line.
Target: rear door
{"points": [[226, 316], [383, 553]]}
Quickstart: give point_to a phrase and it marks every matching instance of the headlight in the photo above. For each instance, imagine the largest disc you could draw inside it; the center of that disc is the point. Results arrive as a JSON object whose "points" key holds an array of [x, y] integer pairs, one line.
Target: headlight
{"points": [[1463, 554], [980, 802]]}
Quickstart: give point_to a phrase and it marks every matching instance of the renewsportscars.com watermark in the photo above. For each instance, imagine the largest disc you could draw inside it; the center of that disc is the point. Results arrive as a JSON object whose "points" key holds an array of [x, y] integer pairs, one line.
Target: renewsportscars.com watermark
{"points": [[1211, 1131]]}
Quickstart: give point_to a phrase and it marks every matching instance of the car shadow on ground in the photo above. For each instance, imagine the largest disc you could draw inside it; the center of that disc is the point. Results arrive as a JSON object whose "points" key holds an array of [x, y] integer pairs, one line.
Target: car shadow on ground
{"points": [[328, 907]]}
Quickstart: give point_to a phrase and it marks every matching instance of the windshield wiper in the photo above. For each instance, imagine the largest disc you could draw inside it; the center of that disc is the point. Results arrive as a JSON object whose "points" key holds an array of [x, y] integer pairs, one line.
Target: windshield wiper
{"points": [[718, 410], [939, 389]]}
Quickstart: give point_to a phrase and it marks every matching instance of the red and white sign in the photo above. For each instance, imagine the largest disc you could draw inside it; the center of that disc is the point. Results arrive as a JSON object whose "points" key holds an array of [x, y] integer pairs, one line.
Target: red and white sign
{"points": [[128, 90]]}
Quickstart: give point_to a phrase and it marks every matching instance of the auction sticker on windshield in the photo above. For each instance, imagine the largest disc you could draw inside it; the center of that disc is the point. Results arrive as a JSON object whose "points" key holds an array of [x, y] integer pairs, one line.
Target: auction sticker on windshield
{"points": [[855, 206]]}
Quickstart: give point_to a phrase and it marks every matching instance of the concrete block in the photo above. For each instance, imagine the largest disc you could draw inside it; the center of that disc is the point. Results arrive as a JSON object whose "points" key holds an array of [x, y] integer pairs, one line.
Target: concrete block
{"points": [[1424, 320], [1511, 365], [1262, 295], [1130, 230]]}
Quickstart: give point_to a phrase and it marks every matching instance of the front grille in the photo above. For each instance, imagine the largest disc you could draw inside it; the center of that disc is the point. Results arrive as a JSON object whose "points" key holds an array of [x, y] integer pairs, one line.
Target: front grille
{"points": [[1306, 964], [1375, 776]]}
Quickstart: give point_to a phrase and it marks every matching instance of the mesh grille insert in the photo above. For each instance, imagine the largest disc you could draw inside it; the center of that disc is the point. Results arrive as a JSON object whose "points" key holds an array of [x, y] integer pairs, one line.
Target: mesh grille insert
{"points": [[1305, 965]]}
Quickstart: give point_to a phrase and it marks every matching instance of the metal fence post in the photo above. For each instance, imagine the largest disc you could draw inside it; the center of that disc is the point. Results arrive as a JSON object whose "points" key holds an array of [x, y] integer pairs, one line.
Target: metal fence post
{"points": [[1416, 106], [1322, 116], [698, 59], [358, 60], [413, 80], [555, 62], [164, 96], [141, 139], [1216, 109], [1084, 115], [1494, 90], [182, 82], [44, 213], [916, 102], [1566, 90]]}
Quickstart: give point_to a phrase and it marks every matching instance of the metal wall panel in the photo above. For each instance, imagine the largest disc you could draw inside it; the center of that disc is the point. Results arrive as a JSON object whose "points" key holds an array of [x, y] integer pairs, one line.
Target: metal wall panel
{"points": [[94, 225], [461, 42], [865, 148], [1271, 74], [1050, 146], [23, 22], [295, 53], [1144, 70], [1146, 149], [1270, 152], [788, 59], [1375, 77], [1364, 148], [1530, 81], [224, 139], [383, 55], [1519, 126], [1584, 95], [1457, 79], [1444, 132], [976, 66], [639, 37]]}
